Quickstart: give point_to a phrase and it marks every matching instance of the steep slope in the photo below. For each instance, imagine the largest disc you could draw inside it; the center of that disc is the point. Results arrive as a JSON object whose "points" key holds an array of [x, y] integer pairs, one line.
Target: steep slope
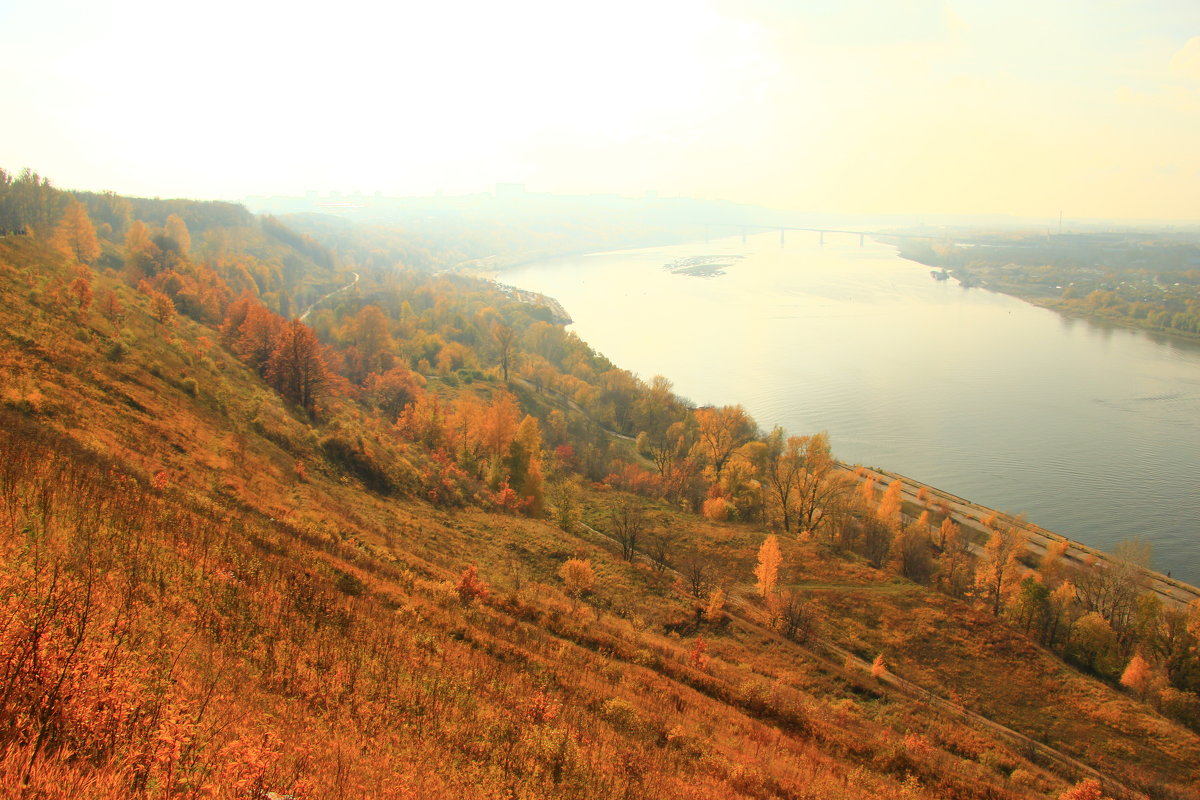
{"points": [[201, 598]]}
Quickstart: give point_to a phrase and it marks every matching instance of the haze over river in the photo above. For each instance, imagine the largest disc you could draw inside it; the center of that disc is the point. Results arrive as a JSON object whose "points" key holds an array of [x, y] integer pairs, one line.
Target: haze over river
{"points": [[1092, 431]]}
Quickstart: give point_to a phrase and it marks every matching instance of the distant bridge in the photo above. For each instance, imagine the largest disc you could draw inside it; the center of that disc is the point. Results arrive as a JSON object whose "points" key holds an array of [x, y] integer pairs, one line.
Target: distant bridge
{"points": [[783, 229]]}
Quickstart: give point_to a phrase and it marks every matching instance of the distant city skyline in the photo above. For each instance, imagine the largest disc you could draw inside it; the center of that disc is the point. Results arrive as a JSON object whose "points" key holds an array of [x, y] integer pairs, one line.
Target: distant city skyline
{"points": [[854, 107]]}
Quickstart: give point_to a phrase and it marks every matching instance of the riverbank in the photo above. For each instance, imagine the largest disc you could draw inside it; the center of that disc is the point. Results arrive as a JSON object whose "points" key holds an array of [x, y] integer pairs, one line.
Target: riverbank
{"points": [[970, 516], [995, 278]]}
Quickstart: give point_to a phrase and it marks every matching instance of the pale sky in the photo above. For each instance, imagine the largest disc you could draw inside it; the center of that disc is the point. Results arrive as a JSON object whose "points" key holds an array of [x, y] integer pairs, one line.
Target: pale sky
{"points": [[1091, 107]]}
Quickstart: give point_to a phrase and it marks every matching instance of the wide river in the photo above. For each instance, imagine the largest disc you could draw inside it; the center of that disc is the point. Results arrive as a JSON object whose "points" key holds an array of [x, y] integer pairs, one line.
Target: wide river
{"points": [[1091, 431]]}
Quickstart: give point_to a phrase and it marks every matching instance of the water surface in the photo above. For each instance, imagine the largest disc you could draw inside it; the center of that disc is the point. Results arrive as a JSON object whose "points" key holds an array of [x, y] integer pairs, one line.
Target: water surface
{"points": [[1091, 431]]}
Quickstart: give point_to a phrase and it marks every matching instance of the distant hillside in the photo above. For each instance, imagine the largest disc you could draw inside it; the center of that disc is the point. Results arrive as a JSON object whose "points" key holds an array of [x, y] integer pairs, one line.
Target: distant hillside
{"points": [[429, 544]]}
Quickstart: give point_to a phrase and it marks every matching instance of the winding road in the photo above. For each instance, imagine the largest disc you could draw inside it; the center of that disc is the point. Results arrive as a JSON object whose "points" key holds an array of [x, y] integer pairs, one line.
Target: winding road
{"points": [[325, 297]]}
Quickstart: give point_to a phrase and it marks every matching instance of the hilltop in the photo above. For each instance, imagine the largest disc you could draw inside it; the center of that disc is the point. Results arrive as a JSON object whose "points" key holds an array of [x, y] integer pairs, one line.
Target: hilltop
{"points": [[429, 544]]}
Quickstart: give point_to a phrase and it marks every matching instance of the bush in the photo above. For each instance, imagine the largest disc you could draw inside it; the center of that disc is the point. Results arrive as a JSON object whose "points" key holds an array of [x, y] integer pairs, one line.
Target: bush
{"points": [[349, 584], [117, 351], [358, 462], [1181, 706]]}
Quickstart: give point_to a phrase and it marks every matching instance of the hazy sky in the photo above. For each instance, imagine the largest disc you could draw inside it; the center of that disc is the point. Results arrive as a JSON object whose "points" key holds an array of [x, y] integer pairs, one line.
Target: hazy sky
{"points": [[1088, 106]]}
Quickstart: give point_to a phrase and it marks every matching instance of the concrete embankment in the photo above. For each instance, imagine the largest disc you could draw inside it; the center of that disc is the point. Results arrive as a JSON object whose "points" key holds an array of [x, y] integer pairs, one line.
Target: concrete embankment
{"points": [[970, 516]]}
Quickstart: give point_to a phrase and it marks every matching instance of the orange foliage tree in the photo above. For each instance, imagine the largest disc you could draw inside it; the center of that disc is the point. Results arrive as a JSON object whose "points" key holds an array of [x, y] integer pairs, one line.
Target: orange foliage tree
{"points": [[767, 571], [295, 368], [75, 234], [1137, 675]]}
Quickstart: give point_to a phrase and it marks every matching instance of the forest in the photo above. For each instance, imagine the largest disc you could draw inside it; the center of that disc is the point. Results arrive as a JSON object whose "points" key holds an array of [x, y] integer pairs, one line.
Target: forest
{"points": [[290, 507]]}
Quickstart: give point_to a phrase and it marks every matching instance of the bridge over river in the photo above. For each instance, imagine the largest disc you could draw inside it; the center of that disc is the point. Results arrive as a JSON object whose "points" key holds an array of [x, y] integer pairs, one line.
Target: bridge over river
{"points": [[747, 229]]}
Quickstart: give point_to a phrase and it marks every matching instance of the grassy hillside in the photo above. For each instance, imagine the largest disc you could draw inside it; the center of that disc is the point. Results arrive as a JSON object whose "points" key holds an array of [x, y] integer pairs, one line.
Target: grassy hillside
{"points": [[209, 592]]}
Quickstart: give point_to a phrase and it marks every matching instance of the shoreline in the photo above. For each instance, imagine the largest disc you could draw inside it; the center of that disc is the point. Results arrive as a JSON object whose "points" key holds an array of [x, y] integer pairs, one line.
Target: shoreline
{"points": [[1053, 304], [970, 515]]}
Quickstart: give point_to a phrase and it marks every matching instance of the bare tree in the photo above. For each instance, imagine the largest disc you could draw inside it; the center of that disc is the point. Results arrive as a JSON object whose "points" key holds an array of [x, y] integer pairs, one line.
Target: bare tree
{"points": [[505, 336], [629, 522], [658, 548], [795, 616], [695, 574]]}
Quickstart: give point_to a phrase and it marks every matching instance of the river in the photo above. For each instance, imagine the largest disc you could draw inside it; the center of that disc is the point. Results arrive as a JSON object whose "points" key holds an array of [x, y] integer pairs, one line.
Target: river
{"points": [[1091, 431]]}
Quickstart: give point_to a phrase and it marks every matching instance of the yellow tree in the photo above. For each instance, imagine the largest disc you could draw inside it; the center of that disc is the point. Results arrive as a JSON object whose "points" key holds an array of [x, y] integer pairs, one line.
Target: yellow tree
{"points": [[525, 466], [177, 229], [75, 234], [890, 505], [141, 253], [578, 578], [721, 432], [1053, 564], [998, 572], [767, 571], [368, 330]]}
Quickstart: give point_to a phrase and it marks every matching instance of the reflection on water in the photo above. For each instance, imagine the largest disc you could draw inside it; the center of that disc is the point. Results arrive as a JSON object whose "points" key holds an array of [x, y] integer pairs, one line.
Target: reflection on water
{"points": [[1091, 430]]}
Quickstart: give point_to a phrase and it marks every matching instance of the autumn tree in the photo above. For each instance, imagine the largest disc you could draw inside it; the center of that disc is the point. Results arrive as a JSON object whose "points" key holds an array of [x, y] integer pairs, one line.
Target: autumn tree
{"points": [[714, 612], [1030, 606], [1052, 567], [505, 338], [998, 572], [767, 571], [660, 550], [1059, 613], [254, 339], [879, 667], [1086, 789], [578, 578], [954, 565], [112, 308], [1111, 587], [295, 368], [795, 616], [470, 586], [721, 432], [1093, 645], [75, 234], [524, 466], [891, 504], [696, 571], [369, 335], [161, 308], [564, 501], [823, 489], [141, 253], [628, 523], [914, 551], [1137, 675], [177, 230], [877, 539], [81, 290], [392, 390]]}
